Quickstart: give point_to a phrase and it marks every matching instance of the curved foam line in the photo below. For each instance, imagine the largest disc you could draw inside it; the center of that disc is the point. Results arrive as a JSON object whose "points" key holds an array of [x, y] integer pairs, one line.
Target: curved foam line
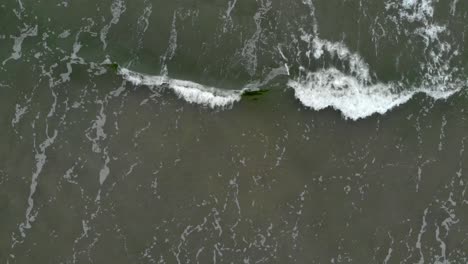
{"points": [[189, 91], [353, 98], [317, 90]]}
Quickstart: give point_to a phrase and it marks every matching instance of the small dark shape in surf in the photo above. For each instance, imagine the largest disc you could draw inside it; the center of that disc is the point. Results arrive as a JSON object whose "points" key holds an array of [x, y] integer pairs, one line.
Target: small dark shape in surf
{"points": [[113, 66], [254, 94]]}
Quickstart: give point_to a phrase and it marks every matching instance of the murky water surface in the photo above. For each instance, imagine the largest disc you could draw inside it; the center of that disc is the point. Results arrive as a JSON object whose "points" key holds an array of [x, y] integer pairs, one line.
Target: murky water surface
{"points": [[234, 131]]}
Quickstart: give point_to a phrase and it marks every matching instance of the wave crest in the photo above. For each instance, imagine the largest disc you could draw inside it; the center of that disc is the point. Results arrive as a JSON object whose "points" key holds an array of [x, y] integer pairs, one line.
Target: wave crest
{"points": [[189, 91], [353, 98], [325, 88]]}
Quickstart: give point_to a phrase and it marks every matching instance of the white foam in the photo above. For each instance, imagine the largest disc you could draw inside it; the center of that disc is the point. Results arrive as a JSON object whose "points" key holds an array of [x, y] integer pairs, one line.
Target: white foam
{"points": [[96, 132], [250, 49], [311, 6], [357, 65], [228, 24], [355, 99], [65, 34], [172, 47], [318, 90], [423, 12], [17, 47], [104, 173], [117, 9], [73, 59], [189, 91], [353, 92], [415, 10], [41, 159], [19, 113], [453, 7], [143, 22]]}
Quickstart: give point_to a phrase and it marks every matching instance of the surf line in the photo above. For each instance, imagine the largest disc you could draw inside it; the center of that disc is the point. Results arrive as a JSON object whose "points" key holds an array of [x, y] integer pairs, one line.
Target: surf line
{"points": [[193, 92], [315, 92]]}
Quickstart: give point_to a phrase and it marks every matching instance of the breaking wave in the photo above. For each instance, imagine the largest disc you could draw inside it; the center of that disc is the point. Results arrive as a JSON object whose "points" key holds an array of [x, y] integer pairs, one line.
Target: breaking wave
{"points": [[189, 91], [353, 93], [317, 90], [355, 100], [344, 81]]}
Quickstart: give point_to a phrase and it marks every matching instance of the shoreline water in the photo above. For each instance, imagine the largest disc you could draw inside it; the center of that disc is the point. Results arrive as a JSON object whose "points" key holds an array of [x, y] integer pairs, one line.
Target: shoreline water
{"points": [[202, 152]]}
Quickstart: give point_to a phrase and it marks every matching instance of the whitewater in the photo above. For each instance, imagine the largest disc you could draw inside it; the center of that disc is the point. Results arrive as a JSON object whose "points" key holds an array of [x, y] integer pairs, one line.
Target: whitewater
{"points": [[354, 94]]}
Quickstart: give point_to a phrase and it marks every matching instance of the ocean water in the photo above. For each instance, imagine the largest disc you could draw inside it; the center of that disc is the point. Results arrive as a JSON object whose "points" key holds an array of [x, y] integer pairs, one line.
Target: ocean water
{"points": [[234, 131]]}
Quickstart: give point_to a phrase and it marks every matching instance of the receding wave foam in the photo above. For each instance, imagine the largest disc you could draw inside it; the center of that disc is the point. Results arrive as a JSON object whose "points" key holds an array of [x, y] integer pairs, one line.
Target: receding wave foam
{"points": [[354, 99], [189, 91]]}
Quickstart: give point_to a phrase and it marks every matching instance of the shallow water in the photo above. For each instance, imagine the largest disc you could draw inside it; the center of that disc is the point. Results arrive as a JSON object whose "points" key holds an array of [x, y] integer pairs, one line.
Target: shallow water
{"points": [[135, 132]]}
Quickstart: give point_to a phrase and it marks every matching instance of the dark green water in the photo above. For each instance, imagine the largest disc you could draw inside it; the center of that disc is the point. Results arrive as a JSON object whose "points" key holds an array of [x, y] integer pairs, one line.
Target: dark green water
{"points": [[135, 131]]}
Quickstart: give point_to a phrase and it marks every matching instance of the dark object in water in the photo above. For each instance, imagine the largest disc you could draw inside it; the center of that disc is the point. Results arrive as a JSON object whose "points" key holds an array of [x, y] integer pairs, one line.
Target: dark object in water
{"points": [[113, 66], [254, 95]]}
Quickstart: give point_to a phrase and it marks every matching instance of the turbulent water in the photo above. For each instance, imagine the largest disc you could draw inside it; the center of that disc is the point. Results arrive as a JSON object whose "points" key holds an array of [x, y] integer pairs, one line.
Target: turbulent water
{"points": [[234, 131]]}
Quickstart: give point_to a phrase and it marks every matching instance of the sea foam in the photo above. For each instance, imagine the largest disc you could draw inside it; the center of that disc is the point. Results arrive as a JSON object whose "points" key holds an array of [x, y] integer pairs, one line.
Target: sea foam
{"points": [[189, 91], [353, 98], [317, 90], [353, 93]]}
